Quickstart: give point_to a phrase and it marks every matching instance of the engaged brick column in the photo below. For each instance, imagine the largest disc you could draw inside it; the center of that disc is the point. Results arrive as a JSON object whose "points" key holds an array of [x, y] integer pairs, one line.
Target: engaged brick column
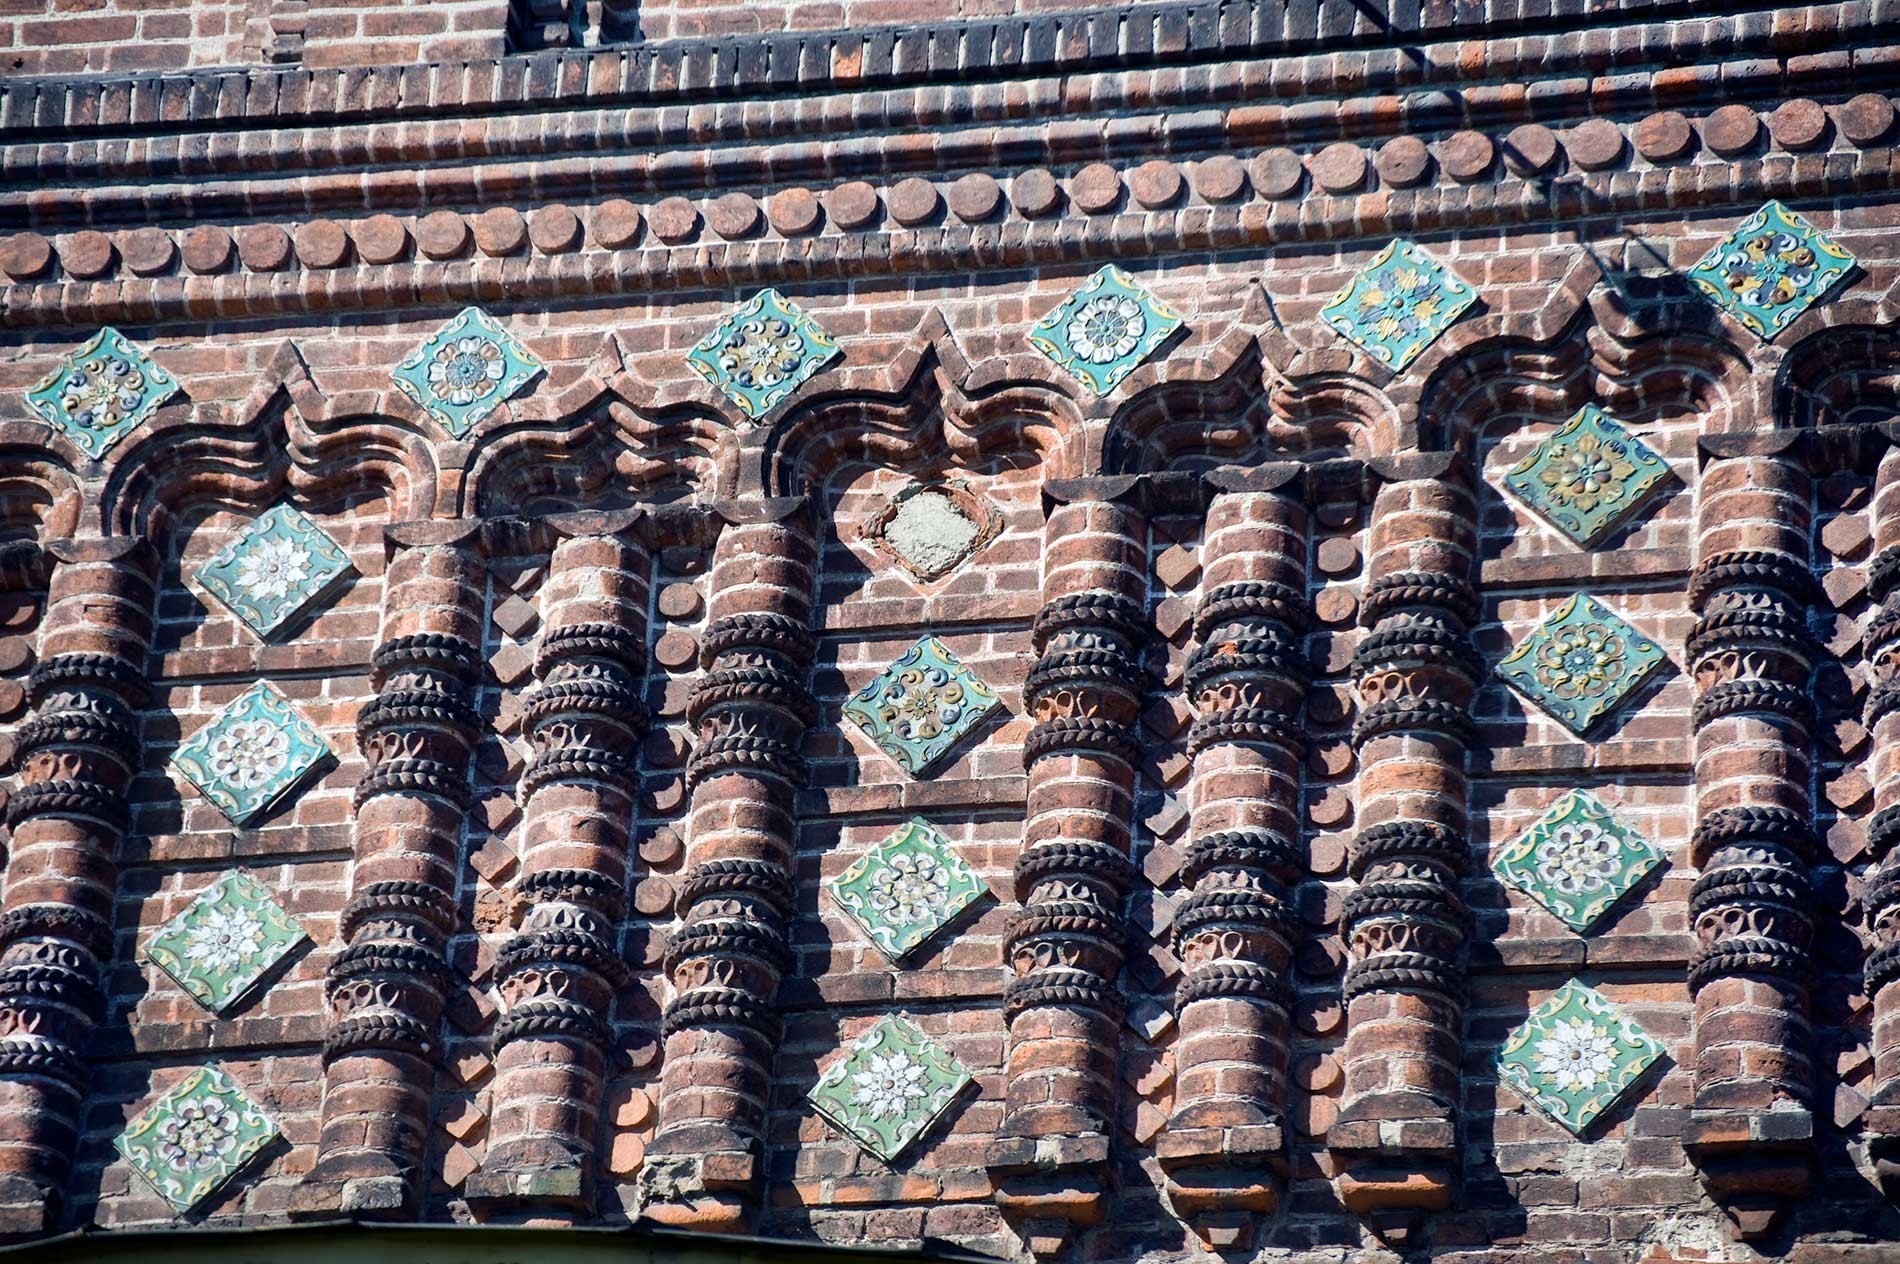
{"points": [[1882, 653], [1224, 1148], [76, 759], [1751, 1131], [750, 710], [559, 974], [387, 985], [1406, 925], [1065, 948]]}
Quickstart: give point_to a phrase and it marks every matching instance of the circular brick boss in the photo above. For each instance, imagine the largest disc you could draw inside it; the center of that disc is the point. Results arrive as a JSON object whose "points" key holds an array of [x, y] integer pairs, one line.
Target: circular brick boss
{"points": [[673, 220], [1220, 178], [1403, 161], [913, 201], [852, 205], [975, 197], [1155, 184], [1531, 149], [85, 254], [1798, 124], [321, 243], [793, 212], [1730, 130], [679, 601], [1865, 119], [380, 239], [1035, 193], [676, 650], [25, 255], [147, 251], [1096, 188], [442, 235], [1594, 144], [499, 230], [554, 229], [733, 215], [262, 247], [615, 224], [1467, 156], [1664, 136], [206, 249], [1276, 173], [1338, 168]]}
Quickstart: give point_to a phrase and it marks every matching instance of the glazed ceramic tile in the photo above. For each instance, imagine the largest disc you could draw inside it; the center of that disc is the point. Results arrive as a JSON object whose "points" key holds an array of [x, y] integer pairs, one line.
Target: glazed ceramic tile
{"points": [[195, 1137], [276, 568], [921, 706], [763, 351], [1575, 1055], [1589, 477], [466, 370], [1102, 332], [906, 889], [252, 754], [891, 1085], [224, 941], [1581, 663], [1398, 304], [1771, 269], [1577, 860], [101, 392]]}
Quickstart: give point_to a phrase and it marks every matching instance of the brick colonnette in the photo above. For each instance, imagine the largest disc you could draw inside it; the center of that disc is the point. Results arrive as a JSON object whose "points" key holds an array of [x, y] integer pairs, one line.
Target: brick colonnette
{"points": [[1882, 645], [1406, 925], [76, 758], [750, 712], [1224, 1149], [388, 983], [560, 972], [1064, 1010]]}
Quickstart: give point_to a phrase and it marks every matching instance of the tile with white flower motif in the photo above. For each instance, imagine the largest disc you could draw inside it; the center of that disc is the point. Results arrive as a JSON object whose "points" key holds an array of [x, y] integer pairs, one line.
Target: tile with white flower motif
{"points": [[1589, 477], [252, 754], [1577, 860], [465, 371], [891, 1085], [765, 349], [1102, 332], [1771, 269], [1398, 304], [921, 706], [101, 392], [1575, 1055], [1581, 663], [224, 941], [906, 889], [276, 568], [195, 1137]]}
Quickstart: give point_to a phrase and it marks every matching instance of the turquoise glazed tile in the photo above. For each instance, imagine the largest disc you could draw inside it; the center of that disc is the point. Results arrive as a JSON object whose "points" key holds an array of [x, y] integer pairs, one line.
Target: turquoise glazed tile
{"points": [[906, 889], [101, 392], [465, 371], [1575, 1055], [1771, 269], [1398, 304], [275, 569], [1589, 477], [1581, 663], [195, 1137], [891, 1085], [1102, 332], [224, 941], [251, 755], [921, 705], [763, 351], [1577, 860]]}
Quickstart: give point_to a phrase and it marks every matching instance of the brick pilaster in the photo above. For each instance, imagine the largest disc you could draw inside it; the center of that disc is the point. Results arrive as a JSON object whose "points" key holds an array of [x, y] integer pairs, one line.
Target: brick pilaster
{"points": [[1881, 641]]}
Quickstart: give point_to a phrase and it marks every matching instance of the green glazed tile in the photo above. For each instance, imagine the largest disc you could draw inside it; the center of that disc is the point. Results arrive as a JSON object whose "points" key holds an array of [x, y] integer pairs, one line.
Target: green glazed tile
{"points": [[1102, 332], [1771, 269], [921, 706], [762, 352], [1581, 663], [224, 941], [275, 569], [101, 392], [1575, 1055], [891, 1085], [196, 1137], [466, 370], [1398, 304], [1589, 477], [252, 754], [1578, 860], [906, 889]]}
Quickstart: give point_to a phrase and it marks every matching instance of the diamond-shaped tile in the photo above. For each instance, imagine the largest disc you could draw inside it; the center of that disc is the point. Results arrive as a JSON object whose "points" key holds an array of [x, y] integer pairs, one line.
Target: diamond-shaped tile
{"points": [[1399, 303], [195, 1137], [765, 349], [275, 569], [252, 754], [1102, 332], [1581, 663], [466, 370], [932, 528], [1771, 269], [921, 705], [1575, 1055], [1577, 860], [101, 392], [224, 941], [1589, 477], [906, 889], [890, 1086]]}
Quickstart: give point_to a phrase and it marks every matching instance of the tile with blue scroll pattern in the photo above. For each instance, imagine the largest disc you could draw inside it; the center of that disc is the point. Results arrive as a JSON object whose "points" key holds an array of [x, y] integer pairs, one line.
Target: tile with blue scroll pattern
{"points": [[196, 1137], [1588, 477], [1773, 267], [889, 1087], [225, 941], [1577, 860], [906, 889], [101, 392], [762, 352], [1581, 663]]}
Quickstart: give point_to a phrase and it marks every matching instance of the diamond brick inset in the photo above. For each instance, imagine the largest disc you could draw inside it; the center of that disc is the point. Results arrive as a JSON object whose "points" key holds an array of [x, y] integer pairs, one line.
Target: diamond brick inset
{"points": [[195, 1137], [1581, 663], [1578, 860], [906, 889], [252, 754], [891, 1085], [224, 941], [1102, 332], [763, 351], [921, 706], [276, 568], [101, 392], [1771, 269], [1575, 1055], [465, 371], [933, 528], [1589, 477], [1398, 304]]}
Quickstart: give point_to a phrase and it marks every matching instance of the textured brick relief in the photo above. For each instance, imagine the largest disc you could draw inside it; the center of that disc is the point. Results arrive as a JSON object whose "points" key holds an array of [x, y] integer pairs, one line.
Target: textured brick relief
{"points": [[1398, 304], [762, 352], [930, 529], [1771, 269], [466, 370], [1102, 332], [1575, 1056], [903, 892], [101, 392], [1581, 664], [1578, 860], [1588, 478], [277, 568], [892, 1084], [195, 1137], [225, 942], [921, 706], [252, 754]]}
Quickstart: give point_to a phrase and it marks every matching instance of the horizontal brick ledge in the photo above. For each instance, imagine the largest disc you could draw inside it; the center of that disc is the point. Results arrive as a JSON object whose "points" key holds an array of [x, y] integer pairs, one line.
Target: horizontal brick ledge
{"points": [[992, 611], [307, 842], [1002, 794], [1664, 567], [1506, 760], [937, 986]]}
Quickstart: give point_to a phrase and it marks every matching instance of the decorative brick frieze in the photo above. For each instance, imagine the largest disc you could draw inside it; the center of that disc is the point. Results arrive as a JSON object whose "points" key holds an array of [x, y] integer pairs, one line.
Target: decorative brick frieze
{"points": [[1881, 648]]}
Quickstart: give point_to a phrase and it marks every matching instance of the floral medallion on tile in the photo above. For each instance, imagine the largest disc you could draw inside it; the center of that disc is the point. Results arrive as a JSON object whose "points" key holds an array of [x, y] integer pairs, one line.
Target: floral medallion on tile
{"points": [[1771, 269], [930, 529], [195, 1137], [252, 754], [101, 392], [1578, 860], [921, 706], [224, 941], [1581, 663], [1102, 332], [906, 889], [465, 371], [1575, 1055], [1398, 304], [889, 1087], [762, 352], [275, 569], [1589, 477]]}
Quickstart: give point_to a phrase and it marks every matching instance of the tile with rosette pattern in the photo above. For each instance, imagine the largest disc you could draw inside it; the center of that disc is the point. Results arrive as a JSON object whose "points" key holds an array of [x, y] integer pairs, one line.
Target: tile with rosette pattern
{"points": [[921, 706], [1581, 664], [1577, 860], [1773, 267], [1588, 477], [465, 371], [1102, 332], [890, 1086], [1398, 304], [1575, 1056], [278, 567], [101, 393], [252, 754], [195, 1137], [224, 942], [762, 352], [906, 889]]}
